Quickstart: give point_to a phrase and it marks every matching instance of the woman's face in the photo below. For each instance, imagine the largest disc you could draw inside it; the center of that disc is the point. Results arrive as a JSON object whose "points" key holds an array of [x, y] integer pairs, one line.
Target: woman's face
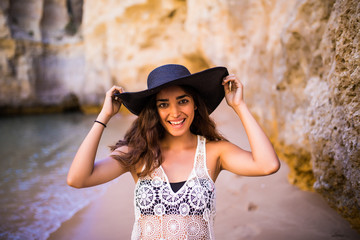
{"points": [[176, 110]]}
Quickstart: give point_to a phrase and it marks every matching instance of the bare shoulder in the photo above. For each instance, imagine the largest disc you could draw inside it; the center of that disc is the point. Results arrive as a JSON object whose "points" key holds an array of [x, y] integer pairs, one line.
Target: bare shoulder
{"points": [[214, 153], [220, 146], [215, 149], [224, 149]]}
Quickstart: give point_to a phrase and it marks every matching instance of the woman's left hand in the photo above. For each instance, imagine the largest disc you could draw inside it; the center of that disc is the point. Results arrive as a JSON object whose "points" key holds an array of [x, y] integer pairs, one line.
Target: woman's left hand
{"points": [[111, 104], [233, 90]]}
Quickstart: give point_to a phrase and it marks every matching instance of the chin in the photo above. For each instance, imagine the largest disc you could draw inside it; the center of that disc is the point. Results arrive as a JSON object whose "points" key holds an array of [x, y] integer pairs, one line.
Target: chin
{"points": [[177, 133]]}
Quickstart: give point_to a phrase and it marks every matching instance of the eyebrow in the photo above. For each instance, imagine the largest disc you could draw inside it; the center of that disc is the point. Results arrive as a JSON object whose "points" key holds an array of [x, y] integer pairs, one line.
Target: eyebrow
{"points": [[177, 98]]}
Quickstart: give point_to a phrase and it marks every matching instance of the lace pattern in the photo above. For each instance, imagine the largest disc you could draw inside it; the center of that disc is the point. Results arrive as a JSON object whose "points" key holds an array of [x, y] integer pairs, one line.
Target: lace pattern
{"points": [[187, 214]]}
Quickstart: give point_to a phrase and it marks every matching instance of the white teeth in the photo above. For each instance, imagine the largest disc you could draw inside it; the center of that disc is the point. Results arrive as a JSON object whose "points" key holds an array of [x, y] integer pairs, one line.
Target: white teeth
{"points": [[178, 122]]}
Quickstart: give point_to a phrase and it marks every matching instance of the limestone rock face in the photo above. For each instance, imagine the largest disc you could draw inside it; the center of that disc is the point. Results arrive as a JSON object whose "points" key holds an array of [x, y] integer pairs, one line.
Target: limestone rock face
{"points": [[298, 60], [41, 54], [334, 112]]}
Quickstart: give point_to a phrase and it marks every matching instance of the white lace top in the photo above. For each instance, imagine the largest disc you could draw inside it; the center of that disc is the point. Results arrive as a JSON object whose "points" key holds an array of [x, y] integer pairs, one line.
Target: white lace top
{"points": [[186, 214]]}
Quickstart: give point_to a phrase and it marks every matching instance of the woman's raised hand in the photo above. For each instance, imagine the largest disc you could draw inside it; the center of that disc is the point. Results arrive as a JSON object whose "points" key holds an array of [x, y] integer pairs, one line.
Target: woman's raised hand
{"points": [[233, 90], [83, 172], [111, 105]]}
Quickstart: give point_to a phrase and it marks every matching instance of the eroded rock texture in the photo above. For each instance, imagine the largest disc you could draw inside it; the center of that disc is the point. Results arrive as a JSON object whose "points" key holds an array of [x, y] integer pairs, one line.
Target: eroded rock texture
{"points": [[298, 59], [41, 54], [334, 112]]}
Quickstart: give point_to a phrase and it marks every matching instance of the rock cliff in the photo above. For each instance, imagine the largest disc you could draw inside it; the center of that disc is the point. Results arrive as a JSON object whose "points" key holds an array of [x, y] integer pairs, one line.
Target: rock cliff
{"points": [[298, 59], [41, 55]]}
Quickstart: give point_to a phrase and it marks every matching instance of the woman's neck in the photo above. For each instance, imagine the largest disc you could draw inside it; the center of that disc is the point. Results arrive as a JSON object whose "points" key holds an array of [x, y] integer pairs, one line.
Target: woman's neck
{"points": [[179, 142]]}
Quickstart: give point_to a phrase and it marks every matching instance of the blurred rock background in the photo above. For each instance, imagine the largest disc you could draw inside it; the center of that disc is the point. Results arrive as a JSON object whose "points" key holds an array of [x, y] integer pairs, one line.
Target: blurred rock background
{"points": [[298, 59]]}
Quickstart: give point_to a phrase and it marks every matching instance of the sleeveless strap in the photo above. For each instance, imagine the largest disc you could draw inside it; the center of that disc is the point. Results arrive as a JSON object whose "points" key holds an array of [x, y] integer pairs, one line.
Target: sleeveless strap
{"points": [[200, 164]]}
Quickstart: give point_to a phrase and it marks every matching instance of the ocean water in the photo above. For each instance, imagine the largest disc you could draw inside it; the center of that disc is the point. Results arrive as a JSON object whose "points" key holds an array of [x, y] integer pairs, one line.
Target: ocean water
{"points": [[35, 155]]}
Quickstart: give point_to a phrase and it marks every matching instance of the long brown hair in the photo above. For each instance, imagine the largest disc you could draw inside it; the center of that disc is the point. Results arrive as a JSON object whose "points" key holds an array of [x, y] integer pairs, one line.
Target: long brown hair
{"points": [[144, 136]]}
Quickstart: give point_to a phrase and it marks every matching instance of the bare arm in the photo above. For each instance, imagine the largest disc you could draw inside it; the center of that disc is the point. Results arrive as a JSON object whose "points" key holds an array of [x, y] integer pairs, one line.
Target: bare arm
{"points": [[83, 172], [262, 160]]}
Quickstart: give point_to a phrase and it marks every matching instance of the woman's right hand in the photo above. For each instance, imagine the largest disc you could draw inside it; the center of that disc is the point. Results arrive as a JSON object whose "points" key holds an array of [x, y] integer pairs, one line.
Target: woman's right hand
{"points": [[111, 104]]}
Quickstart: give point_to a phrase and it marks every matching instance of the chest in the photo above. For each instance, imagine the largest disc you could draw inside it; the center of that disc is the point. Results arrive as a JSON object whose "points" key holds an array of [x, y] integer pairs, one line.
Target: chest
{"points": [[178, 165], [196, 195]]}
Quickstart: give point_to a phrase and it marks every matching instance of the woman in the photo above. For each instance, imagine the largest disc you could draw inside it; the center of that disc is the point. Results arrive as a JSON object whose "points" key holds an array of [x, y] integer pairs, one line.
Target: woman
{"points": [[174, 151]]}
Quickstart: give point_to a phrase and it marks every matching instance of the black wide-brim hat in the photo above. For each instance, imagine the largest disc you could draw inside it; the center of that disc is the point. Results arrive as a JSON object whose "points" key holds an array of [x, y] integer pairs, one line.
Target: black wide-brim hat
{"points": [[207, 83]]}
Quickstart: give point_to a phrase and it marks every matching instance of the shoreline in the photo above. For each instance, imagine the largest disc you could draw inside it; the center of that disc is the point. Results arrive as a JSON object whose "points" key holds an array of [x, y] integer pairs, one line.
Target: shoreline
{"points": [[108, 216]]}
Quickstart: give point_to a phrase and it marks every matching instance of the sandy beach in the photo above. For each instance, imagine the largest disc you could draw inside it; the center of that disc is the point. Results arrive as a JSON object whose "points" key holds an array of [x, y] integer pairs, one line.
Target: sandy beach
{"points": [[258, 208]]}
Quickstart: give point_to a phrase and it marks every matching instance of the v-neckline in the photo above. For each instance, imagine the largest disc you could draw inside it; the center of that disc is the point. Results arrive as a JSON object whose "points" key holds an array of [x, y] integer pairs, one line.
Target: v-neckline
{"points": [[190, 174]]}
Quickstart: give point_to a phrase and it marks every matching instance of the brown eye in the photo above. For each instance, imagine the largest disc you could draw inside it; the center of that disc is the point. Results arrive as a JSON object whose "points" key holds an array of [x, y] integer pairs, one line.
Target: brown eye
{"points": [[163, 105], [183, 101]]}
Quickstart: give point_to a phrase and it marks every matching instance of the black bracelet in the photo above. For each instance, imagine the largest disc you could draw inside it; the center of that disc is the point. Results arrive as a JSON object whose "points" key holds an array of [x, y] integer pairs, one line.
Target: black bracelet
{"points": [[100, 123]]}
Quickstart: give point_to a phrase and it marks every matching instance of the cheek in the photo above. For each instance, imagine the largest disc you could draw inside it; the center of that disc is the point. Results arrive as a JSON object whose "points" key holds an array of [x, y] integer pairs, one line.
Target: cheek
{"points": [[192, 108], [190, 111], [161, 114]]}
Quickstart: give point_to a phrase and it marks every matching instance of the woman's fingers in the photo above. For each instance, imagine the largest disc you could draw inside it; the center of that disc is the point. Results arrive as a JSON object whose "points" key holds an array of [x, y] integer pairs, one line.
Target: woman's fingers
{"points": [[233, 90], [229, 78], [227, 82], [112, 92], [118, 89], [231, 83]]}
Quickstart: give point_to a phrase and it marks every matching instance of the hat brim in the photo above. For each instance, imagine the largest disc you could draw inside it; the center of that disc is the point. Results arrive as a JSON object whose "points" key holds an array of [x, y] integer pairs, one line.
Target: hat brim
{"points": [[207, 83]]}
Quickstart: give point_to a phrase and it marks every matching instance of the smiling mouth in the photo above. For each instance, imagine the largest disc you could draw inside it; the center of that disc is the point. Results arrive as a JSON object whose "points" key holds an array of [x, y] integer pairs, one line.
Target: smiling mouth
{"points": [[177, 123]]}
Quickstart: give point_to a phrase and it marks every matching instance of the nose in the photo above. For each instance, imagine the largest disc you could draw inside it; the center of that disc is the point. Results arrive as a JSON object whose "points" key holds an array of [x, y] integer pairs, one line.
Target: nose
{"points": [[174, 111]]}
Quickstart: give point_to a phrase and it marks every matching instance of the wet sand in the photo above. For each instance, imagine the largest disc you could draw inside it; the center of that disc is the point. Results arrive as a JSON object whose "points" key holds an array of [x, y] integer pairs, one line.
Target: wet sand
{"points": [[259, 208]]}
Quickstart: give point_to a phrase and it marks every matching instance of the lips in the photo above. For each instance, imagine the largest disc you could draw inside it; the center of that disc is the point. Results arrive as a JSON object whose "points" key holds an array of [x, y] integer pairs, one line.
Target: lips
{"points": [[177, 123]]}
